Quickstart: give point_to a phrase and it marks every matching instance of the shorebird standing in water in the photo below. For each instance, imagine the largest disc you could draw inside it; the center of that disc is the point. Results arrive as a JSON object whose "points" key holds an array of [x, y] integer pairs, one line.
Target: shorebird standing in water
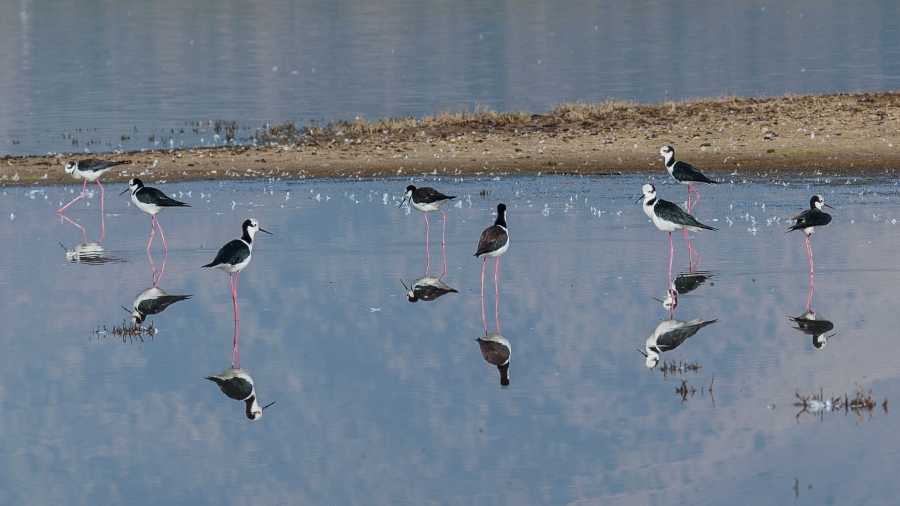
{"points": [[493, 243], [89, 169], [808, 220], [668, 217], [151, 201], [684, 173], [235, 256], [427, 200]]}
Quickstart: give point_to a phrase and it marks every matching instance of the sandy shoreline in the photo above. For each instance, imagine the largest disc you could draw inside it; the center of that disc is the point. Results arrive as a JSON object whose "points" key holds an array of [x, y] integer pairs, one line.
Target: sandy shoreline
{"points": [[841, 135]]}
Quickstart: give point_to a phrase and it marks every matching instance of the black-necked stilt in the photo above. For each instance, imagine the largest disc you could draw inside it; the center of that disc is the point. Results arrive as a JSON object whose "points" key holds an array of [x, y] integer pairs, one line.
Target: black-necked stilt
{"points": [[815, 325], [235, 255], [153, 300], [808, 220], [496, 350], [493, 243], [238, 385], [427, 200], [89, 169], [668, 335], [684, 173], [151, 201], [426, 288], [668, 217]]}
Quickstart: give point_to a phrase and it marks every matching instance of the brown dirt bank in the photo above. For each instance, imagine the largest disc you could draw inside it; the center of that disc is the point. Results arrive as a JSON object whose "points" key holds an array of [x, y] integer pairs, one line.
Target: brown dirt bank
{"points": [[843, 134]]}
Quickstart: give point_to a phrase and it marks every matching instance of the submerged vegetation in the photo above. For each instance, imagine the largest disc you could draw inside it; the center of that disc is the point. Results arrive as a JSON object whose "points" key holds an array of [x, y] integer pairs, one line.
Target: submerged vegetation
{"points": [[127, 331], [817, 404]]}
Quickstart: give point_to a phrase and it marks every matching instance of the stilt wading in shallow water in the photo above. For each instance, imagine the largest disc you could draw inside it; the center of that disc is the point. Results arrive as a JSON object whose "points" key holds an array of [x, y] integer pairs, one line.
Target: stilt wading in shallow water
{"points": [[668, 217], [151, 201], [427, 200], [808, 220], [89, 169], [493, 243], [235, 256], [684, 173]]}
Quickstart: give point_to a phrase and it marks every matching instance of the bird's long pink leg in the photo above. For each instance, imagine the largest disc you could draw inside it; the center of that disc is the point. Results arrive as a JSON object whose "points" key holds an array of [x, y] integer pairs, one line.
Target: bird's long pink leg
{"points": [[809, 297], [443, 244], [671, 257], [83, 190], [809, 251], [165, 248], [152, 231], [427, 247], [235, 279], [483, 317]]}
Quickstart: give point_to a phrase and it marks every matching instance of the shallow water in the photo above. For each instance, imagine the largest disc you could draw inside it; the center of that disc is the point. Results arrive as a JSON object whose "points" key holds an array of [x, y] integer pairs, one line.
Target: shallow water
{"points": [[102, 76], [379, 400]]}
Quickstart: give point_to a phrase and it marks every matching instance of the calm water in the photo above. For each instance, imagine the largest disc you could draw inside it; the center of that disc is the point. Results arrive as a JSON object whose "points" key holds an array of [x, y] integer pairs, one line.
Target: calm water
{"points": [[101, 76], [383, 401]]}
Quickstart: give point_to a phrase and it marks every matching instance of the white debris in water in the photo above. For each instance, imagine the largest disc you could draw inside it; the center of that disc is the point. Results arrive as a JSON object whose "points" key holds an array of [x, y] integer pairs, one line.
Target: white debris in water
{"points": [[546, 210], [12, 216]]}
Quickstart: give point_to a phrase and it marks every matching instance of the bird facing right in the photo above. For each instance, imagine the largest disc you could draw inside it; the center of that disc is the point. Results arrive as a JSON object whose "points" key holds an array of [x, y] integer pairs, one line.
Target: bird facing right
{"points": [[808, 220]]}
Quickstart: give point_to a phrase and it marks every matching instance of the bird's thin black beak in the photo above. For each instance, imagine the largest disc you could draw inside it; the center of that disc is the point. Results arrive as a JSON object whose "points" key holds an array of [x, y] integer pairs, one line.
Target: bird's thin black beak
{"points": [[639, 199], [404, 284], [401, 203], [826, 205], [642, 352], [270, 233], [267, 405], [126, 309], [125, 190]]}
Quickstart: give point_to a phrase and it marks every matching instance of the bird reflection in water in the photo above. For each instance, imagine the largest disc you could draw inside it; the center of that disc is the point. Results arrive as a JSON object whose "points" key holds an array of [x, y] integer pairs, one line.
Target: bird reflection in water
{"points": [[668, 335], [152, 301], [238, 385], [815, 325], [685, 282], [496, 350], [426, 288], [90, 253]]}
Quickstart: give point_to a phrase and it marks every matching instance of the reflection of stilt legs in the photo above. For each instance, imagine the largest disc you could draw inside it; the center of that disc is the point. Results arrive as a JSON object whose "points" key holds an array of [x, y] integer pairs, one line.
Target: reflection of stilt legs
{"points": [[692, 266], [153, 276], [690, 207], [809, 298], [235, 354], [83, 231], [496, 295], [102, 214]]}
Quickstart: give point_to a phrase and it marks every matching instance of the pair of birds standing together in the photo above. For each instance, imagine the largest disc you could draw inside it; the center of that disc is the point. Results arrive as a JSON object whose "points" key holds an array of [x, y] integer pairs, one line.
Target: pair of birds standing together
{"points": [[493, 243]]}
